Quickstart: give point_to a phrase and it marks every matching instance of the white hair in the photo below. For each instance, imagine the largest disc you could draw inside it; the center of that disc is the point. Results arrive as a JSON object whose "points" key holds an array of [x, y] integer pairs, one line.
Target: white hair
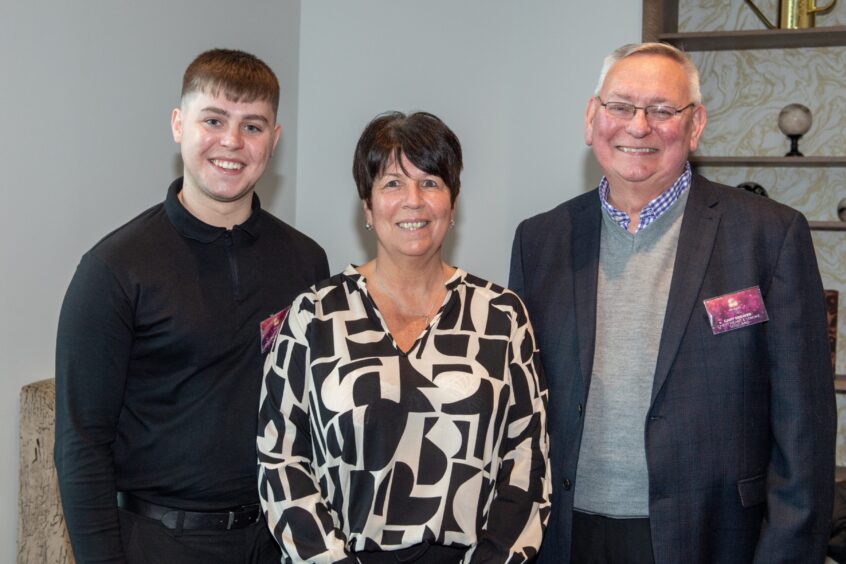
{"points": [[662, 49]]}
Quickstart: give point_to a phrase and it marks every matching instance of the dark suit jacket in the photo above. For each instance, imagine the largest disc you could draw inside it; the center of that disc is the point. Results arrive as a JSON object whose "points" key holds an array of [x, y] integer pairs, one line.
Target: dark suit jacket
{"points": [[741, 427]]}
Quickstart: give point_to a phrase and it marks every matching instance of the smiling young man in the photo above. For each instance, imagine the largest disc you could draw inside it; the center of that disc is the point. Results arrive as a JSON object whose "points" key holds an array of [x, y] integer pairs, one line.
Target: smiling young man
{"points": [[158, 362], [682, 329]]}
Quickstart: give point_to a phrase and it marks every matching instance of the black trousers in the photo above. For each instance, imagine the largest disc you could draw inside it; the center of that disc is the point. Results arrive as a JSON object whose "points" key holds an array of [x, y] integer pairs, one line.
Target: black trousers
{"points": [[418, 554], [603, 540], [146, 541]]}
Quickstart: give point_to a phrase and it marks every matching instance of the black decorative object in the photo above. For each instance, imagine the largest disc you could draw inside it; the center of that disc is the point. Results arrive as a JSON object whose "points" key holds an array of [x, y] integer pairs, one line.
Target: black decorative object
{"points": [[754, 187], [841, 209]]}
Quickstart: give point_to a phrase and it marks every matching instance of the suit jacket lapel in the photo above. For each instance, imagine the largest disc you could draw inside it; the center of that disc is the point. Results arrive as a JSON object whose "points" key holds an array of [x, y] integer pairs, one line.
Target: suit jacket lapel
{"points": [[696, 241], [587, 225]]}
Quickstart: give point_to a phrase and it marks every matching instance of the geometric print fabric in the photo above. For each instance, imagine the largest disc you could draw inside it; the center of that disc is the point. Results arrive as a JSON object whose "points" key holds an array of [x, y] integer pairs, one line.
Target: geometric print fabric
{"points": [[365, 447]]}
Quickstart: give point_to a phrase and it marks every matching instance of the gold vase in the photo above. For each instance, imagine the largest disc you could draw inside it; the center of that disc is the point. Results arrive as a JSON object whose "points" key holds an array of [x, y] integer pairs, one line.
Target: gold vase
{"points": [[794, 14]]}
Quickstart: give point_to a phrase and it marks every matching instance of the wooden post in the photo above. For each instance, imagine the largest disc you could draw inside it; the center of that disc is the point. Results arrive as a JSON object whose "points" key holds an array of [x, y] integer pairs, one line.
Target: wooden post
{"points": [[42, 535], [659, 16]]}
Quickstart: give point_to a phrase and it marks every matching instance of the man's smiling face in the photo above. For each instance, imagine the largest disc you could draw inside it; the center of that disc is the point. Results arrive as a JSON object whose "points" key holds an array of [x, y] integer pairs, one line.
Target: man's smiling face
{"points": [[225, 145], [632, 152]]}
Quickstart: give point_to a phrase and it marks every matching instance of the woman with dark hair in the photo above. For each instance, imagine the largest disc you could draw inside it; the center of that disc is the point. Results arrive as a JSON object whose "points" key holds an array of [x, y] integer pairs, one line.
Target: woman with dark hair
{"points": [[403, 410]]}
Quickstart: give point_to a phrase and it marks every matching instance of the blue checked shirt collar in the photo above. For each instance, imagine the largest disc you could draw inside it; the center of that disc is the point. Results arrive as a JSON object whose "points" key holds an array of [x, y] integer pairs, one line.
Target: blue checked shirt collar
{"points": [[651, 211]]}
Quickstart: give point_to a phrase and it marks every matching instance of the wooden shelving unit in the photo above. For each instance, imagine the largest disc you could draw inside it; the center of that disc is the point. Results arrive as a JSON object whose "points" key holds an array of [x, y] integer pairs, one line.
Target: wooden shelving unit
{"points": [[832, 36], [809, 162], [817, 162], [827, 225], [661, 23]]}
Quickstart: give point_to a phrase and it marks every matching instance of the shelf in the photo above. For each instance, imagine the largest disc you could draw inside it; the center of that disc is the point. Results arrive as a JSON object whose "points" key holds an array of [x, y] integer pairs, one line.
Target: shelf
{"points": [[840, 383], [830, 36], [828, 226], [768, 161]]}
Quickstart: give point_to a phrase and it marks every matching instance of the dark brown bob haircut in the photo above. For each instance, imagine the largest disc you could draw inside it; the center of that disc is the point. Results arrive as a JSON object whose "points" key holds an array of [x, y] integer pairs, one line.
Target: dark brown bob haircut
{"points": [[422, 137], [239, 76]]}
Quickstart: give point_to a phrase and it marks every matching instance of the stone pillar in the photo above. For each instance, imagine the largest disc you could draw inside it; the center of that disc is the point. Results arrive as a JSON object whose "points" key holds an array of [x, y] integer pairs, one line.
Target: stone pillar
{"points": [[42, 535]]}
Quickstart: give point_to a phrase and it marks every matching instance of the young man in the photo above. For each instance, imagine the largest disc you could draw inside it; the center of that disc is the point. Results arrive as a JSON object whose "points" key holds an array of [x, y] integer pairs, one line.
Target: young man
{"points": [[158, 361], [682, 328]]}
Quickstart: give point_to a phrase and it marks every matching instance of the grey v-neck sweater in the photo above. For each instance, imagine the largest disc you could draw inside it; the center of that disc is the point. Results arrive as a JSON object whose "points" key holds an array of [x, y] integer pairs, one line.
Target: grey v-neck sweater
{"points": [[633, 284]]}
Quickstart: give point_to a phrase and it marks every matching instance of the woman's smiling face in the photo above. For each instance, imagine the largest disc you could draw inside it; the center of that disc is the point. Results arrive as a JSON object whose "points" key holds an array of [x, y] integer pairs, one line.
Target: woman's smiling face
{"points": [[410, 210]]}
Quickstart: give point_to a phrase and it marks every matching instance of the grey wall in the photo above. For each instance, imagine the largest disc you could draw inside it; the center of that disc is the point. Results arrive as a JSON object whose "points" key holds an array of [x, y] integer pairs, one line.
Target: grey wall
{"points": [[510, 78], [87, 90]]}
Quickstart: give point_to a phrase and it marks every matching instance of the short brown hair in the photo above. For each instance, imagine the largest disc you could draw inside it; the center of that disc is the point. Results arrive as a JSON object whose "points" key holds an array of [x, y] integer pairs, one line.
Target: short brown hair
{"points": [[240, 76], [422, 137]]}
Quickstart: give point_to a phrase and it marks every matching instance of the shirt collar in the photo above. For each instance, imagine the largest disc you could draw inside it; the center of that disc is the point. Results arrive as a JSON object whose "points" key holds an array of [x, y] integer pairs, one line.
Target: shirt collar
{"points": [[651, 211], [191, 227]]}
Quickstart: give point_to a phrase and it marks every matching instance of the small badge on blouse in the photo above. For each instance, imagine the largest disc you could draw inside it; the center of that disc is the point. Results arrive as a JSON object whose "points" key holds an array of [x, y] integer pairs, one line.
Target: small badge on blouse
{"points": [[270, 328], [736, 310]]}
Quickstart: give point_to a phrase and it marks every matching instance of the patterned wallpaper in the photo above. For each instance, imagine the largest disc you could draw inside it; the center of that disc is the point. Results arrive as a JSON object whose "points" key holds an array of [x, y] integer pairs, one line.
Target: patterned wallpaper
{"points": [[744, 92]]}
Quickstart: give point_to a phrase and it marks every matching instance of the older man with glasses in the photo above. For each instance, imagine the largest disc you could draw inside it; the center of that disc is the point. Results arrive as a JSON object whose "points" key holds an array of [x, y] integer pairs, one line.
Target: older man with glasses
{"points": [[682, 328]]}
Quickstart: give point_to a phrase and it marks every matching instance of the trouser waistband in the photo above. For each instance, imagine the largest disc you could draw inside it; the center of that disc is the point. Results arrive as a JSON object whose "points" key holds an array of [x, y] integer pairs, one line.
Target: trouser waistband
{"points": [[172, 518]]}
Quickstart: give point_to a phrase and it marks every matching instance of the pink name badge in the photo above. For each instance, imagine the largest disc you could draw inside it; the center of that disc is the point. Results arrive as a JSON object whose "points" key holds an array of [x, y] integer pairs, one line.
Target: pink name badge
{"points": [[270, 328], [736, 310]]}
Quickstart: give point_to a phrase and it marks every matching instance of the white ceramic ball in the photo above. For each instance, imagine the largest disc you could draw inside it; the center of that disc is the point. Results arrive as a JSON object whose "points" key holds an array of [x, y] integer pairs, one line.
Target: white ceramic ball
{"points": [[794, 119]]}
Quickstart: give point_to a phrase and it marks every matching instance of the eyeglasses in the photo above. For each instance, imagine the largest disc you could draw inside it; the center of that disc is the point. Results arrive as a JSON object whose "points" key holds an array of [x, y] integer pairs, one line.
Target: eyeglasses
{"points": [[654, 114]]}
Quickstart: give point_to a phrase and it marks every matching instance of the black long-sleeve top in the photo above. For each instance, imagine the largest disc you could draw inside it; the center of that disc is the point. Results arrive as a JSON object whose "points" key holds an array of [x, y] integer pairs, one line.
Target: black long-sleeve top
{"points": [[158, 364]]}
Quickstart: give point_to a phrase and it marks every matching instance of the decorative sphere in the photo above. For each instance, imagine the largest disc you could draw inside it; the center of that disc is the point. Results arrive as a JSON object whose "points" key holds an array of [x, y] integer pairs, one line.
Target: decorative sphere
{"points": [[794, 119], [841, 209], [754, 187]]}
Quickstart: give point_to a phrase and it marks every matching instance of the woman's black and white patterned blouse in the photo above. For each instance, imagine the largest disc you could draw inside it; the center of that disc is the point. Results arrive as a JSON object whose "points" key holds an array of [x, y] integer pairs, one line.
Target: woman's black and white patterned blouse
{"points": [[364, 447]]}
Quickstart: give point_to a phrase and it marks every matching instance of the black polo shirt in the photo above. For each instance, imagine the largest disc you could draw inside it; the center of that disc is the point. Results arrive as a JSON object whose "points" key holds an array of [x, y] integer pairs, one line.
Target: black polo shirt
{"points": [[158, 363]]}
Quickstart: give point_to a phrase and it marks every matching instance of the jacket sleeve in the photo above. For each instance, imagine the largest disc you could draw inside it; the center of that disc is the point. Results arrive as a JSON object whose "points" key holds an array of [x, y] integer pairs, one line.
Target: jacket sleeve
{"points": [[514, 525], [305, 527], [515, 273], [800, 477], [92, 351]]}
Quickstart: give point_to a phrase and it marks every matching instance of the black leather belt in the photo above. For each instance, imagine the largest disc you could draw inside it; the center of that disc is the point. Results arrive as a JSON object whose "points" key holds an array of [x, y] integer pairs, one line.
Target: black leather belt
{"points": [[172, 518]]}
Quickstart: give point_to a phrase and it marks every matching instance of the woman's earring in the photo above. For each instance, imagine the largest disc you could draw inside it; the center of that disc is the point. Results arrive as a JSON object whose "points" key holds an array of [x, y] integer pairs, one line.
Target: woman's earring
{"points": [[368, 226], [451, 223]]}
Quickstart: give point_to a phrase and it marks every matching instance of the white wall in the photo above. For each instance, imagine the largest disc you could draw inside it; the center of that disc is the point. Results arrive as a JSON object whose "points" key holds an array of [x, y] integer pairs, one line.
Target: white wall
{"points": [[510, 78], [86, 90]]}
